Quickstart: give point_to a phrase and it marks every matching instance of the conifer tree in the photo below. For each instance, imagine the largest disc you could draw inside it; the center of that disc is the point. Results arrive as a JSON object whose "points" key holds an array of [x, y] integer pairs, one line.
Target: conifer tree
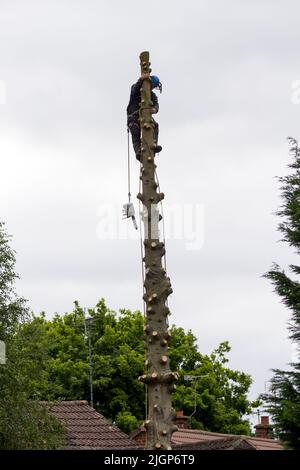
{"points": [[283, 399]]}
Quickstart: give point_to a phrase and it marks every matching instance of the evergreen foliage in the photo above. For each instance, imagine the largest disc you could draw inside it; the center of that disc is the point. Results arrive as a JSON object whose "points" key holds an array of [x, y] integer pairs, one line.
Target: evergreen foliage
{"points": [[283, 399]]}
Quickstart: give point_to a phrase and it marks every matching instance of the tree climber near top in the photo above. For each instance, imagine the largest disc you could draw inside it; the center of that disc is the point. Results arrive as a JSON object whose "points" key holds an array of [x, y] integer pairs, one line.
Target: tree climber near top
{"points": [[133, 113]]}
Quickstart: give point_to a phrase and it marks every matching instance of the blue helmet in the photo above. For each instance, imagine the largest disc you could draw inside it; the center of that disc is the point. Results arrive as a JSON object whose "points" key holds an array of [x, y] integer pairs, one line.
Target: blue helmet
{"points": [[155, 82]]}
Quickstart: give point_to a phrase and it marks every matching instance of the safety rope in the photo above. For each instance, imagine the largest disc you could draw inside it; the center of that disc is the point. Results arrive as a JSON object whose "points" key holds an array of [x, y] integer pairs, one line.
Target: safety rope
{"points": [[128, 165], [163, 237], [141, 245], [163, 222], [141, 240], [143, 279]]}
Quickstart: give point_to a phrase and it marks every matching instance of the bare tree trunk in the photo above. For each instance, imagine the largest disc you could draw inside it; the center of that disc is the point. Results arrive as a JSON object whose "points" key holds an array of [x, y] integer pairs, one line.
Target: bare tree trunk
{"points": [[158, 376]]}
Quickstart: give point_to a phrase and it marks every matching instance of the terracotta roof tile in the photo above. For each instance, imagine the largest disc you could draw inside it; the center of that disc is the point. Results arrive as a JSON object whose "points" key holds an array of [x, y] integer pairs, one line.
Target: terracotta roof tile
{"points": [[226, 443], [193, 436], [88, 429]]}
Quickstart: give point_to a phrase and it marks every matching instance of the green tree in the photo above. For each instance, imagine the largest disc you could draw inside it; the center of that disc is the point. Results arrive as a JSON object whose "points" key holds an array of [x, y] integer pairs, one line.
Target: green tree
{"points": [[215, 395], [118, 360], [24, 423], [12, 307], [283, 399], [126, 421]]}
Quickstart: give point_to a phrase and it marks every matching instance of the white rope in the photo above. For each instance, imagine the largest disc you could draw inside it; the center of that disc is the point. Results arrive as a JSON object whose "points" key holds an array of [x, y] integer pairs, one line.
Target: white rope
{"points": [[163, 237], [142, 245], [128, 165], [143, 280], [163, 223]]}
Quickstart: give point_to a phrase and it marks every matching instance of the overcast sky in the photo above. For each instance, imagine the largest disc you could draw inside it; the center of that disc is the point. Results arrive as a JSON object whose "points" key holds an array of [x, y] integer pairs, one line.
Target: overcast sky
{"points": [[227, 70]]}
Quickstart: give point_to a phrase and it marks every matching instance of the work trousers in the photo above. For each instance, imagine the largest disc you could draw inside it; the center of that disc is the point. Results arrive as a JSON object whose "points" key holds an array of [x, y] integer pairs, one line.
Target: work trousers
{"points": [[135, 130]]}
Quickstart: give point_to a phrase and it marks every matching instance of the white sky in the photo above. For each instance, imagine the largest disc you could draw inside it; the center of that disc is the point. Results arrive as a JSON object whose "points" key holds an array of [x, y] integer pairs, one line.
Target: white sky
{"points": [[227, 69]]}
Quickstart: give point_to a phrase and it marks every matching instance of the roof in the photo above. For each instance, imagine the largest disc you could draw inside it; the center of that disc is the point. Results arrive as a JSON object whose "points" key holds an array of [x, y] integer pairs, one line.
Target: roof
{"points": [[185, 437], [86, 429], [197, 439], [227, 443]]}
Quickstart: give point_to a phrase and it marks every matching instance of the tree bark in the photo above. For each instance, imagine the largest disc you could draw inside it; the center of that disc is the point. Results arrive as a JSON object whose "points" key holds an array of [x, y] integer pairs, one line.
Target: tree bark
{"points": [[158, 375]]}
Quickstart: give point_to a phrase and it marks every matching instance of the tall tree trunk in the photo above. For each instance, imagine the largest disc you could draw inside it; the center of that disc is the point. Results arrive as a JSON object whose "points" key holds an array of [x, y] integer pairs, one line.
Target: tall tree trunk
{"points": [[158, 376]]}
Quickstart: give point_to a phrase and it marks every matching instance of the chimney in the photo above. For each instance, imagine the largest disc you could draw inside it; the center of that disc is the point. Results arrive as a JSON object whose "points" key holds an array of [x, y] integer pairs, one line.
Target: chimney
{"points": [[183, 422], [139, 436], [264, 429]]}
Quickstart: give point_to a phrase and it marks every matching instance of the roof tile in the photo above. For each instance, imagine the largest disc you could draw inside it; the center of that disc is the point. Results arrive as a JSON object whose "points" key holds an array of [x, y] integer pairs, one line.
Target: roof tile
{"points": [[186, 437], [88, 429]]}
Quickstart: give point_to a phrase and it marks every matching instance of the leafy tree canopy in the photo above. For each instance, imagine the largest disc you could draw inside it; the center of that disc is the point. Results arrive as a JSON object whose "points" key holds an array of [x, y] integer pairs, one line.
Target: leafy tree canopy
{"points": [[217, 397], [12, 307], [24, 423]]}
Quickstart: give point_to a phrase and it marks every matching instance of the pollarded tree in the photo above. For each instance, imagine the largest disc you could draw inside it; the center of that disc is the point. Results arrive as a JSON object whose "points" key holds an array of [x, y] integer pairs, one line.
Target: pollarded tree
{"points": [[283, 399]]}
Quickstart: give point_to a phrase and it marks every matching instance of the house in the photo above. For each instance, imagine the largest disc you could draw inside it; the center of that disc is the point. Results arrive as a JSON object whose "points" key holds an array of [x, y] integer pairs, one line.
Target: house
{"points": [[86, 429], [196, 439]]}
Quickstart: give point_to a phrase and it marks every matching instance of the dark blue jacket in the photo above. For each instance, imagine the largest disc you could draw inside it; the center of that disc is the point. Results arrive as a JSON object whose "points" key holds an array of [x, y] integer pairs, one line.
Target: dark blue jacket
{"points": [[135, 98]]}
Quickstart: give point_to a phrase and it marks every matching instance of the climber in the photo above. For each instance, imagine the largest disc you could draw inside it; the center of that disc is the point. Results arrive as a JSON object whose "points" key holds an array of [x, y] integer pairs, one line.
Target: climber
{"points": [[133, 113]]}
